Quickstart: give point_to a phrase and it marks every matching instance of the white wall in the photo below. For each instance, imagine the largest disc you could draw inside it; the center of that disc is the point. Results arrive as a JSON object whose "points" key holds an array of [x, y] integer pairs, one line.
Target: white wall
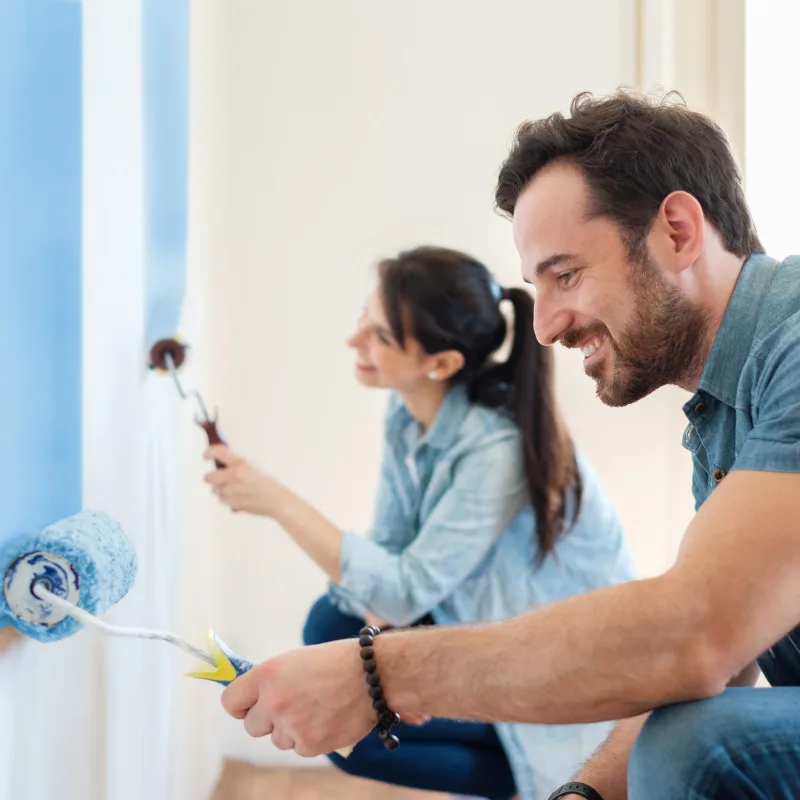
{"points": [[772, 114], [344, 132]]}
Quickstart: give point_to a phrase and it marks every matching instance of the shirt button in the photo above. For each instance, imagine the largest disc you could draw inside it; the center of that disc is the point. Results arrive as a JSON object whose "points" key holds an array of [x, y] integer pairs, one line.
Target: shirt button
{"points": [[701, 408], [718, 475]]}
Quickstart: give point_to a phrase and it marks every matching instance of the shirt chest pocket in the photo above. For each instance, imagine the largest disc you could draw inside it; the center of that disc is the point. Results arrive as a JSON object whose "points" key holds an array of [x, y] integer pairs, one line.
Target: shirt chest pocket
{"points": [[720, 463], [717, 432], [711, 463]]}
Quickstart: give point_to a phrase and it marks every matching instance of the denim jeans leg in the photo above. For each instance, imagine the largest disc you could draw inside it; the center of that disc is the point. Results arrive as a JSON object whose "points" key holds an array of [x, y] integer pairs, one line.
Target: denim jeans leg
{"points": [[743, 744]]}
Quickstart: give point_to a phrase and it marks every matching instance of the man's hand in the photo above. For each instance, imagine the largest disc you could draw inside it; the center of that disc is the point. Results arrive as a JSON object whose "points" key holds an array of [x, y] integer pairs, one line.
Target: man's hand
{"points": [[313, 700]]}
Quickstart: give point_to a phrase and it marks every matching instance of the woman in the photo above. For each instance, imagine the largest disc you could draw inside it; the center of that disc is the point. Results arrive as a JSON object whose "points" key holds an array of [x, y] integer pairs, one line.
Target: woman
{"points": [[484, 510]]}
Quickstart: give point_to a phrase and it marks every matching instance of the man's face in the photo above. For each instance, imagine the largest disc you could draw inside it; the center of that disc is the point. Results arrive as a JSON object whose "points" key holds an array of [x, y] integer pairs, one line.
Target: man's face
{"points": [[635, 328]]}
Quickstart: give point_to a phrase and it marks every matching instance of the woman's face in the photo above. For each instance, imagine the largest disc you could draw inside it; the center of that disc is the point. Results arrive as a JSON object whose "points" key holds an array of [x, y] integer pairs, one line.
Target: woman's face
{"points": [[380, 359]]}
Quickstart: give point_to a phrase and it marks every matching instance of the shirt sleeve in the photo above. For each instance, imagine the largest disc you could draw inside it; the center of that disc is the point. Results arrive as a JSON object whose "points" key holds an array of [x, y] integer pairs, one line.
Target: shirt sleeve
{"points": [[773, 445], [389, 515], [487, 491]]}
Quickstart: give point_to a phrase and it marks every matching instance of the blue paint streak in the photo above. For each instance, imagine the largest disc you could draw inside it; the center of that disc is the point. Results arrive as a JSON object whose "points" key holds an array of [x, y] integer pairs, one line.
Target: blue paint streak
{"points": [[165, 59], [40, 263]]}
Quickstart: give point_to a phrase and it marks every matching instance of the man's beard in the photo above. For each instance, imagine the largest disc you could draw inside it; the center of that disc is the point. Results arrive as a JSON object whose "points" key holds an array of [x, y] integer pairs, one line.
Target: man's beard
{"points": [[661, 345]]}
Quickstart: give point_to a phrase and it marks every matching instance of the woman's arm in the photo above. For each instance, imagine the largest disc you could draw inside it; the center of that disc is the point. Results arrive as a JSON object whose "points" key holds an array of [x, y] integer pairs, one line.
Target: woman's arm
{"points": [[243, 488], [487, 491]]}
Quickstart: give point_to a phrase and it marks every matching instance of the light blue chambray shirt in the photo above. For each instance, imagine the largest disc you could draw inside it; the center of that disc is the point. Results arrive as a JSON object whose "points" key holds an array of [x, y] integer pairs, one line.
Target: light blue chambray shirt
{"points": [[746, 411], [453, 536]]}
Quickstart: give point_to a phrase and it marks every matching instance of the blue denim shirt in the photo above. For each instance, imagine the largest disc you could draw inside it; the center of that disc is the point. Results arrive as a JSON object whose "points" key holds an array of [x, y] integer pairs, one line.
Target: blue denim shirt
{"points": [[746, 411], [454, 536]]}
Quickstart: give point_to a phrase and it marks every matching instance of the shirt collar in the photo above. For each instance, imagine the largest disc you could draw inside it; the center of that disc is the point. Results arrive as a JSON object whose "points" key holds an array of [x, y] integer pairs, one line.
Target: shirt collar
{"points": [[444, 432]]}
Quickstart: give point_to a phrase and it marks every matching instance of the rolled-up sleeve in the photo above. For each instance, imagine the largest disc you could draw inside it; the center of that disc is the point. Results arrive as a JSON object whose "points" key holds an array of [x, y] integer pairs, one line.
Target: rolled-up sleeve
{"points": [[773, 445], [486, 492]]}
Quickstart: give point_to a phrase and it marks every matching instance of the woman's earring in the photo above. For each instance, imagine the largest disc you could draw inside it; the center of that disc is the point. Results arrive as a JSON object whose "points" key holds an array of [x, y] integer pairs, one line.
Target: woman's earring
{"points": [[433, 376]]}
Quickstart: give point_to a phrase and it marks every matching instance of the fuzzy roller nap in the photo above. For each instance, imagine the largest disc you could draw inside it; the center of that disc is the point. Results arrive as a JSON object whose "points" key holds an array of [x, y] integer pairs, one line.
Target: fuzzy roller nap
{"points": [[85, 559]]}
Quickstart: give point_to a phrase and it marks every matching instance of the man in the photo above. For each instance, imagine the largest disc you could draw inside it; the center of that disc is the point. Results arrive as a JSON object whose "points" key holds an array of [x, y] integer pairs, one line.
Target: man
{"points": [[631, 224]]}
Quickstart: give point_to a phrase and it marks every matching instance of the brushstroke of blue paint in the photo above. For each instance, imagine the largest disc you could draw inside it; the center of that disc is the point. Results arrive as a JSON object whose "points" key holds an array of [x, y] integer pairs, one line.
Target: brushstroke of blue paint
{"points": [[165, 62], [40, 263]]}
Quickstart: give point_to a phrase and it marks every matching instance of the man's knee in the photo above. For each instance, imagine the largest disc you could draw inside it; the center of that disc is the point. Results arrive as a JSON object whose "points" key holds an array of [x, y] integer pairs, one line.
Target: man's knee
{"points": [[678, 743]]}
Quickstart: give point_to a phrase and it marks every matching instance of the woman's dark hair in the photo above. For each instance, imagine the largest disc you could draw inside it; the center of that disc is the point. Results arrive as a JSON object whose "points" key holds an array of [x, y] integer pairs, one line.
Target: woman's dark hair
{"points": [[449, 301], [634, 151]]}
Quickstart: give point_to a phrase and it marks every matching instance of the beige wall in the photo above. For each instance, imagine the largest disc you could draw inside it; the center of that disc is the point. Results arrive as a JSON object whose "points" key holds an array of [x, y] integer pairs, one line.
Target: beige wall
{"points": [[342, 132], [698, 48]]}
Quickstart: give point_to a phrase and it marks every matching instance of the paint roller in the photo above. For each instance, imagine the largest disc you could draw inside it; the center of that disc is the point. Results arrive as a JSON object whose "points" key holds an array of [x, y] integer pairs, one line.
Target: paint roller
{"points": [[59, 578], [85, 559], [168, 356]]}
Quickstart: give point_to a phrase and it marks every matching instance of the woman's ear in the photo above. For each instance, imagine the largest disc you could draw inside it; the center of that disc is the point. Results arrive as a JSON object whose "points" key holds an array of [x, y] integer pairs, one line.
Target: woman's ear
{"points": [[442, 366]]}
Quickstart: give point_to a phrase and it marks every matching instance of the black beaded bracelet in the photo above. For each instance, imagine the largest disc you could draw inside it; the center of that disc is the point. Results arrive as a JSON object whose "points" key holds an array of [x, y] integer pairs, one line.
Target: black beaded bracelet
{"points": [[386, 717]]}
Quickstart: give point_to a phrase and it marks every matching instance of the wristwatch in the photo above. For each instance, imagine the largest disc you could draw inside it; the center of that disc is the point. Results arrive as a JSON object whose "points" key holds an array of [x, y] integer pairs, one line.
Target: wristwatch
{"points": [[575, 787]]}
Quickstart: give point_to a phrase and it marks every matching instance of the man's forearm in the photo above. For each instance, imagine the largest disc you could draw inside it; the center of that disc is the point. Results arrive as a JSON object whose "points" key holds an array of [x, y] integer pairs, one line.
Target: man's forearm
{"points": [[607, 770], [557, 664]]}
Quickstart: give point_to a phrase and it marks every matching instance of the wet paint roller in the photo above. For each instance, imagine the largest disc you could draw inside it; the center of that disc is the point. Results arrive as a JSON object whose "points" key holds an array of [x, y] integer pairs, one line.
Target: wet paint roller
{"points": [[168, 356]]}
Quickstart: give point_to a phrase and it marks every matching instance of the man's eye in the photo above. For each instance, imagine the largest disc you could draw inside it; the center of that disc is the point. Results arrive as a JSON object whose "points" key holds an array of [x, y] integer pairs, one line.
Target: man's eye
{"points": [[566, 277]]}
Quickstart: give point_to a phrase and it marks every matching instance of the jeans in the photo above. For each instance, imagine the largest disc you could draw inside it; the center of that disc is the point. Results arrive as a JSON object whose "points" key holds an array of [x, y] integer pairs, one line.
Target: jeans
{"points": [[441, 756], [743, 744]]}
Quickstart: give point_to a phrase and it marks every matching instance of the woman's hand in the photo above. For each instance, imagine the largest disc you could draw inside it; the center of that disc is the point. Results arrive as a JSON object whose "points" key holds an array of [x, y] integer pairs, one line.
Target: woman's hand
{"points": [[240, 486]]}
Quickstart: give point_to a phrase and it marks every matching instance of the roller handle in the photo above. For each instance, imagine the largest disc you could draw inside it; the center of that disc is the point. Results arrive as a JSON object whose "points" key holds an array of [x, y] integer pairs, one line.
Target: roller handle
{"points": [[228, 666], [210, 427], [240, 666]]}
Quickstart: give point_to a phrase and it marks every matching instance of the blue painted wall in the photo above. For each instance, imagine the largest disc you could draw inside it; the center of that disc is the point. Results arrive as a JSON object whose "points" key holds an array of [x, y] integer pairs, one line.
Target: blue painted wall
{"points": [[40, 263], [165, 66], [40, 236]]}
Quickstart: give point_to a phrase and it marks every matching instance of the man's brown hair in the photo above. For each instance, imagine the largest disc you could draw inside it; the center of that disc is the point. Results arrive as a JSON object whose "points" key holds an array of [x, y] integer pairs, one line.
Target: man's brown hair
{"points": [[634, 151]]}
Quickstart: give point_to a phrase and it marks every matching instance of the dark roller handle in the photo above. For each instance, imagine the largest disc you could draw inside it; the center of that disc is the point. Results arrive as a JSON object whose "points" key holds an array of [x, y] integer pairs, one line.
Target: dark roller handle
{"points": [[210, 427]]}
